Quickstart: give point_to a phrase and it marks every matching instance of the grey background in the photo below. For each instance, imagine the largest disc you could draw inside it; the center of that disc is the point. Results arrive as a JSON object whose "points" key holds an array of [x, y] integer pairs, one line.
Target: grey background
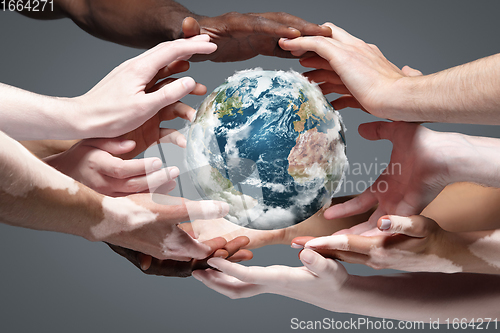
{"points": [[58, 283]]}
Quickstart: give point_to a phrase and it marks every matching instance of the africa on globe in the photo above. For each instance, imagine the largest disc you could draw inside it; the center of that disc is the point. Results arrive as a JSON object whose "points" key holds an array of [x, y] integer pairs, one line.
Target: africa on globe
{"points": [[270, 145]]}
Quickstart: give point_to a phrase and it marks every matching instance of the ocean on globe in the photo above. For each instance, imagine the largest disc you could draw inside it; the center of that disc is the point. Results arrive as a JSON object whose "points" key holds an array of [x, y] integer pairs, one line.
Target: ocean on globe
{"points": [[270, 145]]}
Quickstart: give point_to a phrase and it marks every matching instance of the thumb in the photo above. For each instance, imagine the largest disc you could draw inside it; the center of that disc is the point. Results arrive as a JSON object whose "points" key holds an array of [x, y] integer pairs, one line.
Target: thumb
{"points": [[114, 146], [408, 71], [170, 93], [378, 130], [414, 226], [190, 27], [317, 264]]}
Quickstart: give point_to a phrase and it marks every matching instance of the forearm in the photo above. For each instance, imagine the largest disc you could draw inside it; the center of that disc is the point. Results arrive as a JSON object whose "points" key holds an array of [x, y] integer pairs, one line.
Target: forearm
{"points": [[136, 23], [36, 196], [420, 296], [28, 116], [474, 159], [468, 94]]}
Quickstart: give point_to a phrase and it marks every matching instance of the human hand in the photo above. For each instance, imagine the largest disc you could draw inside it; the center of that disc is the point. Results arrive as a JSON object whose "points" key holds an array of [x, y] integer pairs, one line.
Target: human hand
{"points": [[220, 249], [414, 244], [148, 223], [349, 66], [317, 282], [417, 172], [93, 162], [244, 36], [207, 229], [126, 98]]}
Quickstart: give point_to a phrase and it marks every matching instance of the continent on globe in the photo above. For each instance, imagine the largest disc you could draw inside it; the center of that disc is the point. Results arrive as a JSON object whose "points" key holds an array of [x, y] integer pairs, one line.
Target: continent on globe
{"points": [[270, 145]]}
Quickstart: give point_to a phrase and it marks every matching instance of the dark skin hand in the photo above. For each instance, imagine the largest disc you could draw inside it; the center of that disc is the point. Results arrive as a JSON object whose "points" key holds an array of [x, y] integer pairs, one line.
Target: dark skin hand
{"points": [[152, 266], [146, 23]]}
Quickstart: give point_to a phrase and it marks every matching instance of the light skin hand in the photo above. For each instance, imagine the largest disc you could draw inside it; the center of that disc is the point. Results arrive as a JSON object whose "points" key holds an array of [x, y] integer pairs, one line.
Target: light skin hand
{"points": [[92, 162], [417, 172], [349, 66], [325, 283], [423, 163], [124, 100]]}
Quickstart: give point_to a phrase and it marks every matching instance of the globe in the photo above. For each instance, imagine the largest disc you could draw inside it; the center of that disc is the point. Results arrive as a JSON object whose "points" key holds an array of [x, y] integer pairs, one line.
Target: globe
{"points": [[270, 145]]}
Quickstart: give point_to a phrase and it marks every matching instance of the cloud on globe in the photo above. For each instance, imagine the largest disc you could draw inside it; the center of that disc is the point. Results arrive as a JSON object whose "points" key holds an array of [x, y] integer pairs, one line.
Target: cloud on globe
{"points": [[270, 145]]}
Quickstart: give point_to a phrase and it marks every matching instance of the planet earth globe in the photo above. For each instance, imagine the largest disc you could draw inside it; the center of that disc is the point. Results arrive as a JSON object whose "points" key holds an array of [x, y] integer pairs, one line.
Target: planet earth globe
{"points": [[270, 145]]}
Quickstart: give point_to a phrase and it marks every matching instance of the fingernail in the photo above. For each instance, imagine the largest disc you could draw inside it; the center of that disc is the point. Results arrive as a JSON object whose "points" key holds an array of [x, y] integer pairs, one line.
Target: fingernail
{"points": [[188, 82], [212, 264], [173, 172], [307, 257], [157, 165], [192, 116], [297, 246], [386, 224]]}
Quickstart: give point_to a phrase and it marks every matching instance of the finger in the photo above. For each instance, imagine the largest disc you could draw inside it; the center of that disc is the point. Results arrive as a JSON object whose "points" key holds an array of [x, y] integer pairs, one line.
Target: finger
{"points": [[199, 88], [327, 48], [315, 61], [170, 93], [149, 182], [169, 135], [241, 255], [408, 71], [360, 204], [236, 244], [115, 146], [328, 88], [322, 75], [190, 27], [254, 274], [177, 210], [216, 243], [353, 243], [319, 265], [346, 101], [117, 168], [226, 285], [378, 130], [165, 53], [304, 27], [341, 35], [144, 261], [177, 110], [415, 226], [177, 66], [351, 257], [299, 242], [357, 229]]}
